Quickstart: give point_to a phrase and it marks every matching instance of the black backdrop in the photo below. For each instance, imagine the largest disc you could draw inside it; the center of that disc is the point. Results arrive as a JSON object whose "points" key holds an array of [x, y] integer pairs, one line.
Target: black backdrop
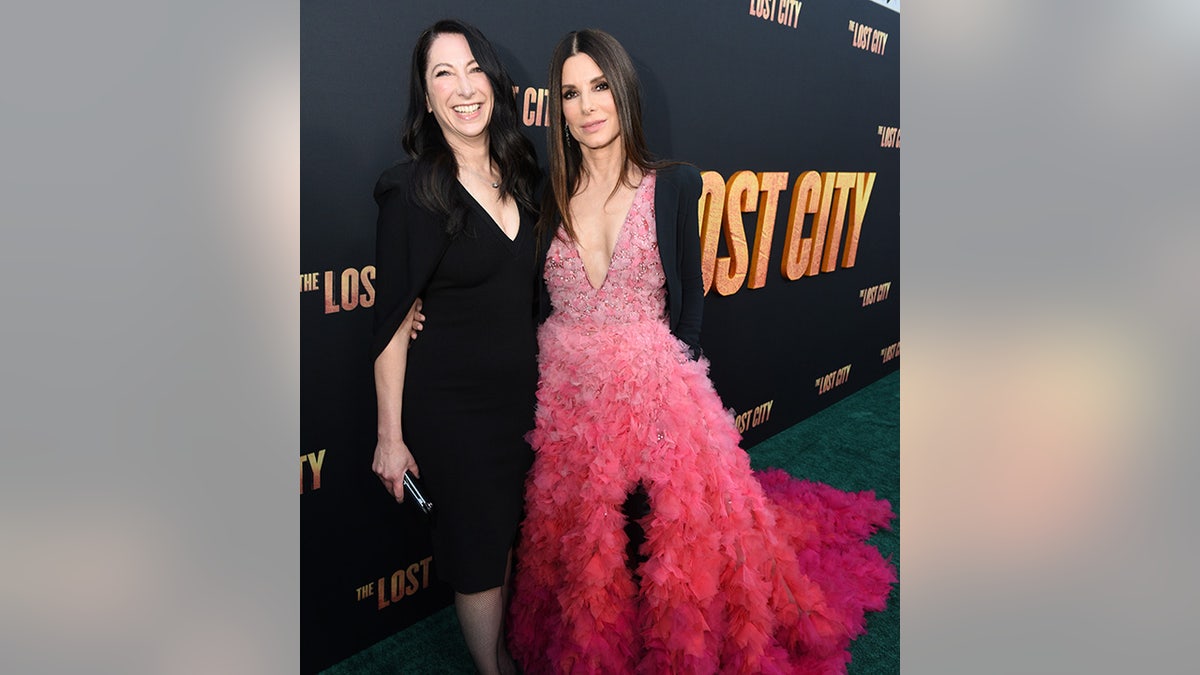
{"points": [[760, 86]]}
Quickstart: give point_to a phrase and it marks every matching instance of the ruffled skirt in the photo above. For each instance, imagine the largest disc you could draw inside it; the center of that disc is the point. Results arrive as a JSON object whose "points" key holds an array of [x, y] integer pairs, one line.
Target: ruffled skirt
{"points": [[744, 573]]}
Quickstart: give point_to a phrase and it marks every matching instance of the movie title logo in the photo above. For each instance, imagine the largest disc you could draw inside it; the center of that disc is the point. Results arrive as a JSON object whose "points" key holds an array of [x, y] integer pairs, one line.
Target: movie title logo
{"points": [[534, 106], [889, 137], [868, 39], [874, 294], [889, 352], [828, 197], [837, 378], [310, 470], [344, 291], [754, 417], [782, 12], [403, 583]]}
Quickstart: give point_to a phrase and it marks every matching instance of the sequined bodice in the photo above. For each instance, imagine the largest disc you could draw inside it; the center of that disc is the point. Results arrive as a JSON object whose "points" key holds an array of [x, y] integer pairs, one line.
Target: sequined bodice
{"points": [[635, 288]]}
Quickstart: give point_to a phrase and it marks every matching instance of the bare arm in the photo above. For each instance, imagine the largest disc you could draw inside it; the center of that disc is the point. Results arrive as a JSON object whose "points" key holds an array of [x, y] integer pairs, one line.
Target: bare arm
{"points": [[392, 457]]}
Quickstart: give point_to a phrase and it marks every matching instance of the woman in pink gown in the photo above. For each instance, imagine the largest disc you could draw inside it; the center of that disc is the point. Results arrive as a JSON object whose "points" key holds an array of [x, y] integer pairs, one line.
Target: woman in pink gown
{"points": [[738, 572]]}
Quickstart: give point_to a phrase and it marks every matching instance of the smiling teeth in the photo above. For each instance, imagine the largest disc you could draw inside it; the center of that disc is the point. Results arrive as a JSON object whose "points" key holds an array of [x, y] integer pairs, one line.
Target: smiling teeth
{"points": [[466, 109]]}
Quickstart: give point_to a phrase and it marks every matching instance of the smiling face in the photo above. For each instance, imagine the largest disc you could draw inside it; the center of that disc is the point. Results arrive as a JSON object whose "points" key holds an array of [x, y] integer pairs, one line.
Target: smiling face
{"points": [[588, 104], [457, 91]]}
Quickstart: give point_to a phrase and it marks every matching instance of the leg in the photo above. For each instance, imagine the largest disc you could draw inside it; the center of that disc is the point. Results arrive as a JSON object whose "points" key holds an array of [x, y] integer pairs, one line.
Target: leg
{"points": [[481, 617], [504, 660]]}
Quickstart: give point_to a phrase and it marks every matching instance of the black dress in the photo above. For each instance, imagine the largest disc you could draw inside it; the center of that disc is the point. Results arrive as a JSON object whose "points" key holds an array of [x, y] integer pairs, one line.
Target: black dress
{"points": [[471, 378]]}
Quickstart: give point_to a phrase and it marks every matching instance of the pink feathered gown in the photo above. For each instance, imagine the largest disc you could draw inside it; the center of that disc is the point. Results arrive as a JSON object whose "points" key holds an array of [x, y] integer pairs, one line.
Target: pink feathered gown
{"points": [[746, 573]]}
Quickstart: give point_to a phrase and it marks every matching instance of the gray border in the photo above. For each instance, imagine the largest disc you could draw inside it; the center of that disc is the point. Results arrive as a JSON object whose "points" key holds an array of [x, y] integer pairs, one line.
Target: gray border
{"points": [[150, 366]]}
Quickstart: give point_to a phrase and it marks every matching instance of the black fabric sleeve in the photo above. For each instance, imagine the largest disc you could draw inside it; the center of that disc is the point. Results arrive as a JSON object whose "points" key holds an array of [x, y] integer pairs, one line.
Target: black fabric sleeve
{"points": [[687, 234], [409, 244]]}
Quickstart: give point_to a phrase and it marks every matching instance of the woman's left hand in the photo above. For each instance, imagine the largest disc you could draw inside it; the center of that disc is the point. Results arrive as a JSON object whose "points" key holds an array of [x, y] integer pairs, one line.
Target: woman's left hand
{"points": [[418, 320]]}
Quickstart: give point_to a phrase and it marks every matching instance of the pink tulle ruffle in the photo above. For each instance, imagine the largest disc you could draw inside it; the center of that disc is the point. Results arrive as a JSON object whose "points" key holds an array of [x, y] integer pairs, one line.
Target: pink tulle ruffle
{"points": [[745, 572]]}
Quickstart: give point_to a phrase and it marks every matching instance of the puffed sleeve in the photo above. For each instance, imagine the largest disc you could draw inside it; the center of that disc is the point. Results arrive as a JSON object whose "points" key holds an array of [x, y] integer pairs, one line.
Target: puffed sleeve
{"points": [[409, 244], [687, 233]]}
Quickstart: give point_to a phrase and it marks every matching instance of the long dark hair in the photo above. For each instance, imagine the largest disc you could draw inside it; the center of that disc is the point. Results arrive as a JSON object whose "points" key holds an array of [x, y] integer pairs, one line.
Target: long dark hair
{"points": [[565, 158], [436, 166]]}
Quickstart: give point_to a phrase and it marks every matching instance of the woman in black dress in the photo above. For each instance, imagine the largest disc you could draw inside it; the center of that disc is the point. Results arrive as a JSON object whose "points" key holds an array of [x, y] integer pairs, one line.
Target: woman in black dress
{"points": [[455, 228]]}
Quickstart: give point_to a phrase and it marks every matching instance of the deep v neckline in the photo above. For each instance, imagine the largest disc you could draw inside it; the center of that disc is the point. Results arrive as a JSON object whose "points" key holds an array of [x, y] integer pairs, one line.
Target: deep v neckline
{"points": [[616, 244], [495, 224]]}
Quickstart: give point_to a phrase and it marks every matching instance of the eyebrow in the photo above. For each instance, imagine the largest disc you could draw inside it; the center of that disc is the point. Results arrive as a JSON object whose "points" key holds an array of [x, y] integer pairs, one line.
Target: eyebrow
{"points": [[450, 65], [593, 81]]}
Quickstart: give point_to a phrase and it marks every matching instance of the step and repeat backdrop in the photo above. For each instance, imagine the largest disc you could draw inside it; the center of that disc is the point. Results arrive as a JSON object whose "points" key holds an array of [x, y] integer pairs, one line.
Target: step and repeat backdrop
{"points": [[792, 112]]}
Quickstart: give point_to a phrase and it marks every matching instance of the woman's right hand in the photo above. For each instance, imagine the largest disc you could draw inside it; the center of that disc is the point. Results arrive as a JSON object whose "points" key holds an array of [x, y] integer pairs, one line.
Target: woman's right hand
{"points": [[392, 459]]}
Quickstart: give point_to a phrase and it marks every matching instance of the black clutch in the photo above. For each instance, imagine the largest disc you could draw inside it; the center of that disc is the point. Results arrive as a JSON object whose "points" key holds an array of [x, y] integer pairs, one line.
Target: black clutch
{"points": [[412, 488]]}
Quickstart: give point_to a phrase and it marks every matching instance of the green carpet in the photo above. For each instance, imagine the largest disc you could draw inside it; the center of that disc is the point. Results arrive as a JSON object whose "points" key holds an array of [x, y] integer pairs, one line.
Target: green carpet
{"points": [[853, 445]]}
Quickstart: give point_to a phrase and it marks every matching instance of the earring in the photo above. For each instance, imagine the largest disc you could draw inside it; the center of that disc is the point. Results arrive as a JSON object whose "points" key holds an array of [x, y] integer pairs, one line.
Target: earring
{"points": [[568, 139]]}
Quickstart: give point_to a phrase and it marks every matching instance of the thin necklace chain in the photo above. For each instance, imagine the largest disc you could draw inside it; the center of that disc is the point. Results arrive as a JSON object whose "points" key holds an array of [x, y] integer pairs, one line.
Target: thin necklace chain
{"points": [[493, 183]]}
